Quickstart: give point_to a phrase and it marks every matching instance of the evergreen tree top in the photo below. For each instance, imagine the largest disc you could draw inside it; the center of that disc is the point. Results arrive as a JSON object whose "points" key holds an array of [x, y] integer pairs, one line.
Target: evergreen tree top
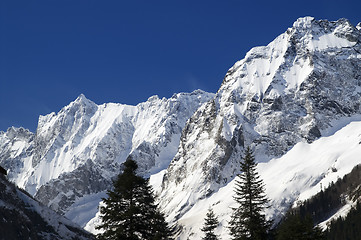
{"points": [[210, 224], [130, 165], [248, 220], [130, 211]]}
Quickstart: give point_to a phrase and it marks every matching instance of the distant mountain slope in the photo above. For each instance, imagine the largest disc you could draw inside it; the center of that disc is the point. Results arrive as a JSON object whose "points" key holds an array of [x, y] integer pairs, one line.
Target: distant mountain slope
{"points": [[75, 152], [24, 218]]}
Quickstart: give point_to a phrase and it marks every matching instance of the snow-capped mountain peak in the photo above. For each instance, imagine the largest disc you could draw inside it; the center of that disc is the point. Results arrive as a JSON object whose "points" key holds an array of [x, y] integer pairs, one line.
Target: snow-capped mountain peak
{"points": [[286, 62], [303, 22], [290, 91], [83, 145]]}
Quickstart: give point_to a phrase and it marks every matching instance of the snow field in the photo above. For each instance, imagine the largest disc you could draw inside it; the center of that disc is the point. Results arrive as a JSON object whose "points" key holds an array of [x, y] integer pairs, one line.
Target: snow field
{"points": [[294, 177]]}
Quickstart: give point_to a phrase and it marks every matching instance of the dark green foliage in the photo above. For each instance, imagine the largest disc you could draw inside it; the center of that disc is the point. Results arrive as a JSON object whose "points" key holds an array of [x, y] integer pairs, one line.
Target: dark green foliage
{"points": [[19, 220], [130, 212], [328, 201], [248, 221], [15, 224], [348, 228], [296, 227], [210, 224]]}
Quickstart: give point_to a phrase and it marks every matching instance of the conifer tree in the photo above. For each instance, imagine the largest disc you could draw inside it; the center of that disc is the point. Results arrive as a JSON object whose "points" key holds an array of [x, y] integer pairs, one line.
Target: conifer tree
{"points": [[247, 220], [348, 227], [296, 227], [210, 224], [129, 211]]}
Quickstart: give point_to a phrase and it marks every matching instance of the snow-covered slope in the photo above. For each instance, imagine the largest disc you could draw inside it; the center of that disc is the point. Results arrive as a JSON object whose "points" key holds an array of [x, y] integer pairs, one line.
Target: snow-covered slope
{"points": [[296, 176], [24, 218], [75, 152]]}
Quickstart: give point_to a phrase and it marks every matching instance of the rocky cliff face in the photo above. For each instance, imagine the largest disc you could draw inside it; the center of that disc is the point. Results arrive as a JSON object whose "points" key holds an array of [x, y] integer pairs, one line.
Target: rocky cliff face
{"points": [[287, 92], [77, 151]]}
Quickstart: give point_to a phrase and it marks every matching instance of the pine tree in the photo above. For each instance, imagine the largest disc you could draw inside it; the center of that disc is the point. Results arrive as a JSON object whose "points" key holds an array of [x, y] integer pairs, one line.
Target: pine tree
{"points": [[129, 212], [348, 227], [247, 220], [210, 224], [296, 227]]}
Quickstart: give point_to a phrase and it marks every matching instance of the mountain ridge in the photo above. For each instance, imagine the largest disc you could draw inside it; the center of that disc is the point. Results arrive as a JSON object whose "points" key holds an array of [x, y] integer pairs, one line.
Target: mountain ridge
{"points": [[84, 144]]}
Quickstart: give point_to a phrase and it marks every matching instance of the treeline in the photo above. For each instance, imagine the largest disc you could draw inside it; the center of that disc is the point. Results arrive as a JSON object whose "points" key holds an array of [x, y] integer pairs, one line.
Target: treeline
{"points": [[330, 200], [321, 207], [346, 228], [297, 227]]}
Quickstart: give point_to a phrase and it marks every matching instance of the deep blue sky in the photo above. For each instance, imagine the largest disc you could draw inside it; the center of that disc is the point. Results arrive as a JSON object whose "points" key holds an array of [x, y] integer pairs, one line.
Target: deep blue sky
{"points": [[126, 51]]}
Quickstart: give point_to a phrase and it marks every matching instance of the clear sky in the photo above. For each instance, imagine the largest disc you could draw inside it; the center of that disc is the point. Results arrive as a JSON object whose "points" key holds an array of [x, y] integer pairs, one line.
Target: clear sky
{"points": [[126, 51]]}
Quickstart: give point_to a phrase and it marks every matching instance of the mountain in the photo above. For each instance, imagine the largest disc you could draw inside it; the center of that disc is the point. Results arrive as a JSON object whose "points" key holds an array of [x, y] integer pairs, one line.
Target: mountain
{"points": [[70, 161], [301, 87], [296, 102], [290, 91], [22, 217]]}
